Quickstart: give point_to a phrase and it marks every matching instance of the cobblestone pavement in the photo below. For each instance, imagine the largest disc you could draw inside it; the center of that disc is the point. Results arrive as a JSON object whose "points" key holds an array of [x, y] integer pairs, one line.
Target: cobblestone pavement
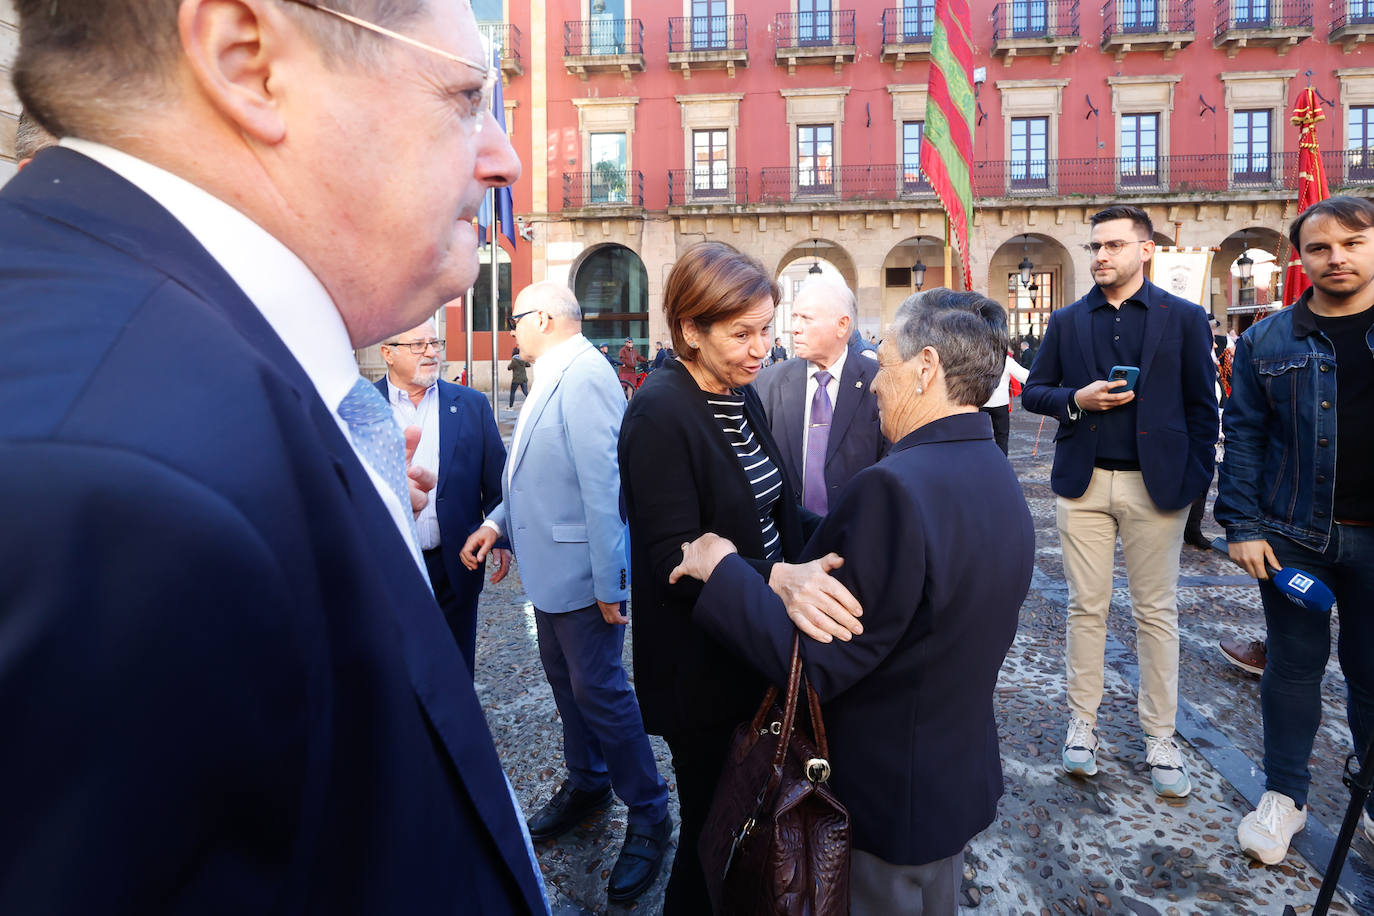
{"points": [[1060, 845]]}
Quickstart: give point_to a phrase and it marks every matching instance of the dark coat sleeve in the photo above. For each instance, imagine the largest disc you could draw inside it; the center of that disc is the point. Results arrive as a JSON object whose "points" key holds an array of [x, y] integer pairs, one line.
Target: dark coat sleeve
{"points": [[876, 529], [1042, 393], [132, 725]]}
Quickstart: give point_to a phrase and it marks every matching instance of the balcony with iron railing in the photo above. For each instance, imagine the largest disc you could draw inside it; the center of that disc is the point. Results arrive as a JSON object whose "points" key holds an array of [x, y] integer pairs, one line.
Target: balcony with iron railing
{"points": [[708, 43], [1218, 175], [845, 183], [1039, 27], [906, 33], [1352, 23], [1277, 24], [505, 39], [603, 45], [823, 36], [604, 189], [708, 186], [1147, 25]]}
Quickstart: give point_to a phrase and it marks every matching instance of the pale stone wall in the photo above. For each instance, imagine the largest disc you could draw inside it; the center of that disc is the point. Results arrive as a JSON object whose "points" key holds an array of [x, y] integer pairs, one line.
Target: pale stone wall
{"points": [[9, 102]]}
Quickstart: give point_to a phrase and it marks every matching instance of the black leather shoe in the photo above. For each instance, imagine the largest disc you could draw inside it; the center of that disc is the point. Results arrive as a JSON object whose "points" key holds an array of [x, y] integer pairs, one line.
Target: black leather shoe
{"points": [[568, 806], [639, 862], [1197, 539]]}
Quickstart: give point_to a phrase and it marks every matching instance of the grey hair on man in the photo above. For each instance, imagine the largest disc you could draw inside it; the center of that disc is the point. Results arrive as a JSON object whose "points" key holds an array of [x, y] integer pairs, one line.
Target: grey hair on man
{"points": [[31, 138], [554, 298], [833, 291], [78, 58], [967, 330]]}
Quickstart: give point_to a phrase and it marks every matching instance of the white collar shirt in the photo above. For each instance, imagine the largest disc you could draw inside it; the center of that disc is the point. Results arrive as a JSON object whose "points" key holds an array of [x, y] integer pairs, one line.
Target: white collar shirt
{"points": [[832, 388], [426, 416], [275, 280]]}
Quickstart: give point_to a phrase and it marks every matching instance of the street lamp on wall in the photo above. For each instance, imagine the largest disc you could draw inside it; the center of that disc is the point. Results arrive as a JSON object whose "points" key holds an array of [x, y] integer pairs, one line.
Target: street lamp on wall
{"points": [[815, 267], [1245, 266], [1026, 267], [918, 270]]}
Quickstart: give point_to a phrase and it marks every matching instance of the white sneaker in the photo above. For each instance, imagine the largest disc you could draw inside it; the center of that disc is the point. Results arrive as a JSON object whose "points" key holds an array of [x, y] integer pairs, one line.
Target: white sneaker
{"points": [[1166, 767], [1264, 834], [1080, 748]]}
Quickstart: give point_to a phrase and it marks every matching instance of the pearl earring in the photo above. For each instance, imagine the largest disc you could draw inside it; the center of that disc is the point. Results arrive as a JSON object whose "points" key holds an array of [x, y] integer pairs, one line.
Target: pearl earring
{"points": [[920, 390]]}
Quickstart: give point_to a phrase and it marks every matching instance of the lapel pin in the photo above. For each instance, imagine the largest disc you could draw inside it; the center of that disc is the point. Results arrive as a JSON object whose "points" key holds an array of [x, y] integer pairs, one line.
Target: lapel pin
{"points": [[858, 384], [452, 408]]}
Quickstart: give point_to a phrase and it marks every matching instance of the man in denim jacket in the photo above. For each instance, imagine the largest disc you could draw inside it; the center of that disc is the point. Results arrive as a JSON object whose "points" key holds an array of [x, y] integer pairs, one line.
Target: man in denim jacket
{"points": [[1291, 493]]}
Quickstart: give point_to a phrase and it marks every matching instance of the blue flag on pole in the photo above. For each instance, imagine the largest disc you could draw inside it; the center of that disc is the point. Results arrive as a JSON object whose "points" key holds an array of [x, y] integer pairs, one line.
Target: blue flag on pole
{"points": [[505, 206]]}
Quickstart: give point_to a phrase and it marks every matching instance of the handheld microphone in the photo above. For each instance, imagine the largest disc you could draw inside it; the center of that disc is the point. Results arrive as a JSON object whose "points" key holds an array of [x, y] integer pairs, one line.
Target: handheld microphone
{"points": [[1302, 588]]}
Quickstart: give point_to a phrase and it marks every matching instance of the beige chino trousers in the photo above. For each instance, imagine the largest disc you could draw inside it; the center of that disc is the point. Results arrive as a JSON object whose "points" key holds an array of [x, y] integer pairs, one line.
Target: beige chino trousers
{"points": [[1116, 502]]}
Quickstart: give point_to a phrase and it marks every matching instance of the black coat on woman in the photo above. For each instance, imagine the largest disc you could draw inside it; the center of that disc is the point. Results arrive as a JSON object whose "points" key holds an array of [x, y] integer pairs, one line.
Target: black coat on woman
{"points": [[679, 479]]}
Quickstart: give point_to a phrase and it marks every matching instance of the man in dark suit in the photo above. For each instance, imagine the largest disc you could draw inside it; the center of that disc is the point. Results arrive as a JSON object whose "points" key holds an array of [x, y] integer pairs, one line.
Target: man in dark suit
{"points": [[820, 405], [231, 685], [1126, 462], [460, 440]]}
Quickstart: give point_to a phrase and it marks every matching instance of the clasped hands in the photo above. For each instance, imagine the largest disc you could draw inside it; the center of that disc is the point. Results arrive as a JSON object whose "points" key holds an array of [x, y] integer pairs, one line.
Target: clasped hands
{"points": [[817, 603], [422, 482]]}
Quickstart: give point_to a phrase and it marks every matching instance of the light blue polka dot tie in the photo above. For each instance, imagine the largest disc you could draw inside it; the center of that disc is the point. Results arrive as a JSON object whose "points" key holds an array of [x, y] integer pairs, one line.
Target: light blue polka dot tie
{"points": [[379, 440]]}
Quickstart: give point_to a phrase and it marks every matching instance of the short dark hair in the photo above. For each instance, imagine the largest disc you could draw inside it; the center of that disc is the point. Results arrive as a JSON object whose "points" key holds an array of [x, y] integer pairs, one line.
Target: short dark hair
{"points": [[967, 329], [711, 282], [1137, 216], [78, 59], [1350, 212]]}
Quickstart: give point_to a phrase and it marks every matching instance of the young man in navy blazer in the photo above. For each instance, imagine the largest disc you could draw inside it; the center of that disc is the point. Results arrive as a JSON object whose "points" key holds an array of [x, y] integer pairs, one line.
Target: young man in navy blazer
{"points": [[459, 440], [1128, 460], [225, 680]]}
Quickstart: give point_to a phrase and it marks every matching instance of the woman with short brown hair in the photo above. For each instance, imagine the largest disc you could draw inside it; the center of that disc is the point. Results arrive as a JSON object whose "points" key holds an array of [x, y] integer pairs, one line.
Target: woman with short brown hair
{"points": [[696, 455]]}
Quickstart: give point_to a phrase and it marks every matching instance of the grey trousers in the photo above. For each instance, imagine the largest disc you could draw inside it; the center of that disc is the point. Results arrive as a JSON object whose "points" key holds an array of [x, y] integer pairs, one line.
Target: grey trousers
{"points": [[879, 889]]}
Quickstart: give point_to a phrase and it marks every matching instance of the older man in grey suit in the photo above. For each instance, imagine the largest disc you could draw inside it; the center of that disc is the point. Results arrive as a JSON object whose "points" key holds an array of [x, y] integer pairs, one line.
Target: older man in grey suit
{"points": [[561, 510], [820, 405]]}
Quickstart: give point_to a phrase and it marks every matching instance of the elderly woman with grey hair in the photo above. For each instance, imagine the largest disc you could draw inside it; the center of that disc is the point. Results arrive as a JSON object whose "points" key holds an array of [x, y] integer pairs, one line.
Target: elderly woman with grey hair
{"points": [[938, 548]]}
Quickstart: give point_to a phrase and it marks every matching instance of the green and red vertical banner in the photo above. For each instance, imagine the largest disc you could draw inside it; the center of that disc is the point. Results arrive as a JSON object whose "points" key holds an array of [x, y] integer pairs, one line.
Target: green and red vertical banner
{"points": [[947, 144], [1307, 114]]}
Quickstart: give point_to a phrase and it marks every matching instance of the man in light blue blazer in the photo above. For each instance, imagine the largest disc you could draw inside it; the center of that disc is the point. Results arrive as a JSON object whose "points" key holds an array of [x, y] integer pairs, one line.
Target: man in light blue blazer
{"points": [[561, 512]]}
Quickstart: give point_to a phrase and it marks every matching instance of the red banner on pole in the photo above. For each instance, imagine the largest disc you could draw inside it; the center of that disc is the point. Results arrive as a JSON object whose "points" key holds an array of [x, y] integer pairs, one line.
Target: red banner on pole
{"points": [[947, 143], [1311, 183]]}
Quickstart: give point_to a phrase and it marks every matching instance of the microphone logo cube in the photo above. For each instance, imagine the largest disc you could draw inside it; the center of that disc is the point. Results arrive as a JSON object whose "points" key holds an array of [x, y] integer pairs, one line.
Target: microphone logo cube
{"points": [[1301, 584]]}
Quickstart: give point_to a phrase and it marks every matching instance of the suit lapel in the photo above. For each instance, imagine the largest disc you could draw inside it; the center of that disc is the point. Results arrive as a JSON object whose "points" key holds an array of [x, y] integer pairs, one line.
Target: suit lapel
{"points": [[537, 410], [1156, 319], [852, 385], [452, 418]]}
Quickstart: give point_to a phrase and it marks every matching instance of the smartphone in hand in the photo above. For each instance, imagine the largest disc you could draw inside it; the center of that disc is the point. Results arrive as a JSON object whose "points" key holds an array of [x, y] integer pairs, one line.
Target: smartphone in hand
{"points": [[1129, 373]]}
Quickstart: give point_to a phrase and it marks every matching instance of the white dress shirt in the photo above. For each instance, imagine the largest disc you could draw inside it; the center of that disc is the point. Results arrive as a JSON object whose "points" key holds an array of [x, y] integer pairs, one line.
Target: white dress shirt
{"points": [[426, 416], [275, 280], [832, 388], [548, 368]]}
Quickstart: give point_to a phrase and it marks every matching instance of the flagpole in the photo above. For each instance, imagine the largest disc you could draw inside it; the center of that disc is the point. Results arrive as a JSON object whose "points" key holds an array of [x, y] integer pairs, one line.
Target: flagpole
{"points": [[495, 305], [468, 302]]}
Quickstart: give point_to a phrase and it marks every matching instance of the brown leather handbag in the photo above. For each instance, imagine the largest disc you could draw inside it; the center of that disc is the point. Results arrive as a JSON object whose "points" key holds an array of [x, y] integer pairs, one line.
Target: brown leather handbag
{"points": [[776, 841]]}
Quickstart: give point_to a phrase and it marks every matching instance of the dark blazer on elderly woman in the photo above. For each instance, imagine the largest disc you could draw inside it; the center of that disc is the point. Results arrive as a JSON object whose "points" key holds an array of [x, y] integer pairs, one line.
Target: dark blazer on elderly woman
{"points": [[679, 479], [938, 547]]}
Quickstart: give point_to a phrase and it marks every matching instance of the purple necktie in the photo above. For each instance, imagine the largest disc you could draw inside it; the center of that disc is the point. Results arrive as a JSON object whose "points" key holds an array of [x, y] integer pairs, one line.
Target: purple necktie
{"points": [[818, 437]]}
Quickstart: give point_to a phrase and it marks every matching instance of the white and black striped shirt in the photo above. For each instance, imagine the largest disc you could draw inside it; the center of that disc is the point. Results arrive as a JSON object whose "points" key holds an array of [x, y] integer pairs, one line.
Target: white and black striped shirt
{"points": [[763, 476]]}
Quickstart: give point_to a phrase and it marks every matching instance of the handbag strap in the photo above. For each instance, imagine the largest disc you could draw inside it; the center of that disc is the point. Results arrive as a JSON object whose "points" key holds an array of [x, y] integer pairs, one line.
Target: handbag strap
{"points": [[789, 708]]}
